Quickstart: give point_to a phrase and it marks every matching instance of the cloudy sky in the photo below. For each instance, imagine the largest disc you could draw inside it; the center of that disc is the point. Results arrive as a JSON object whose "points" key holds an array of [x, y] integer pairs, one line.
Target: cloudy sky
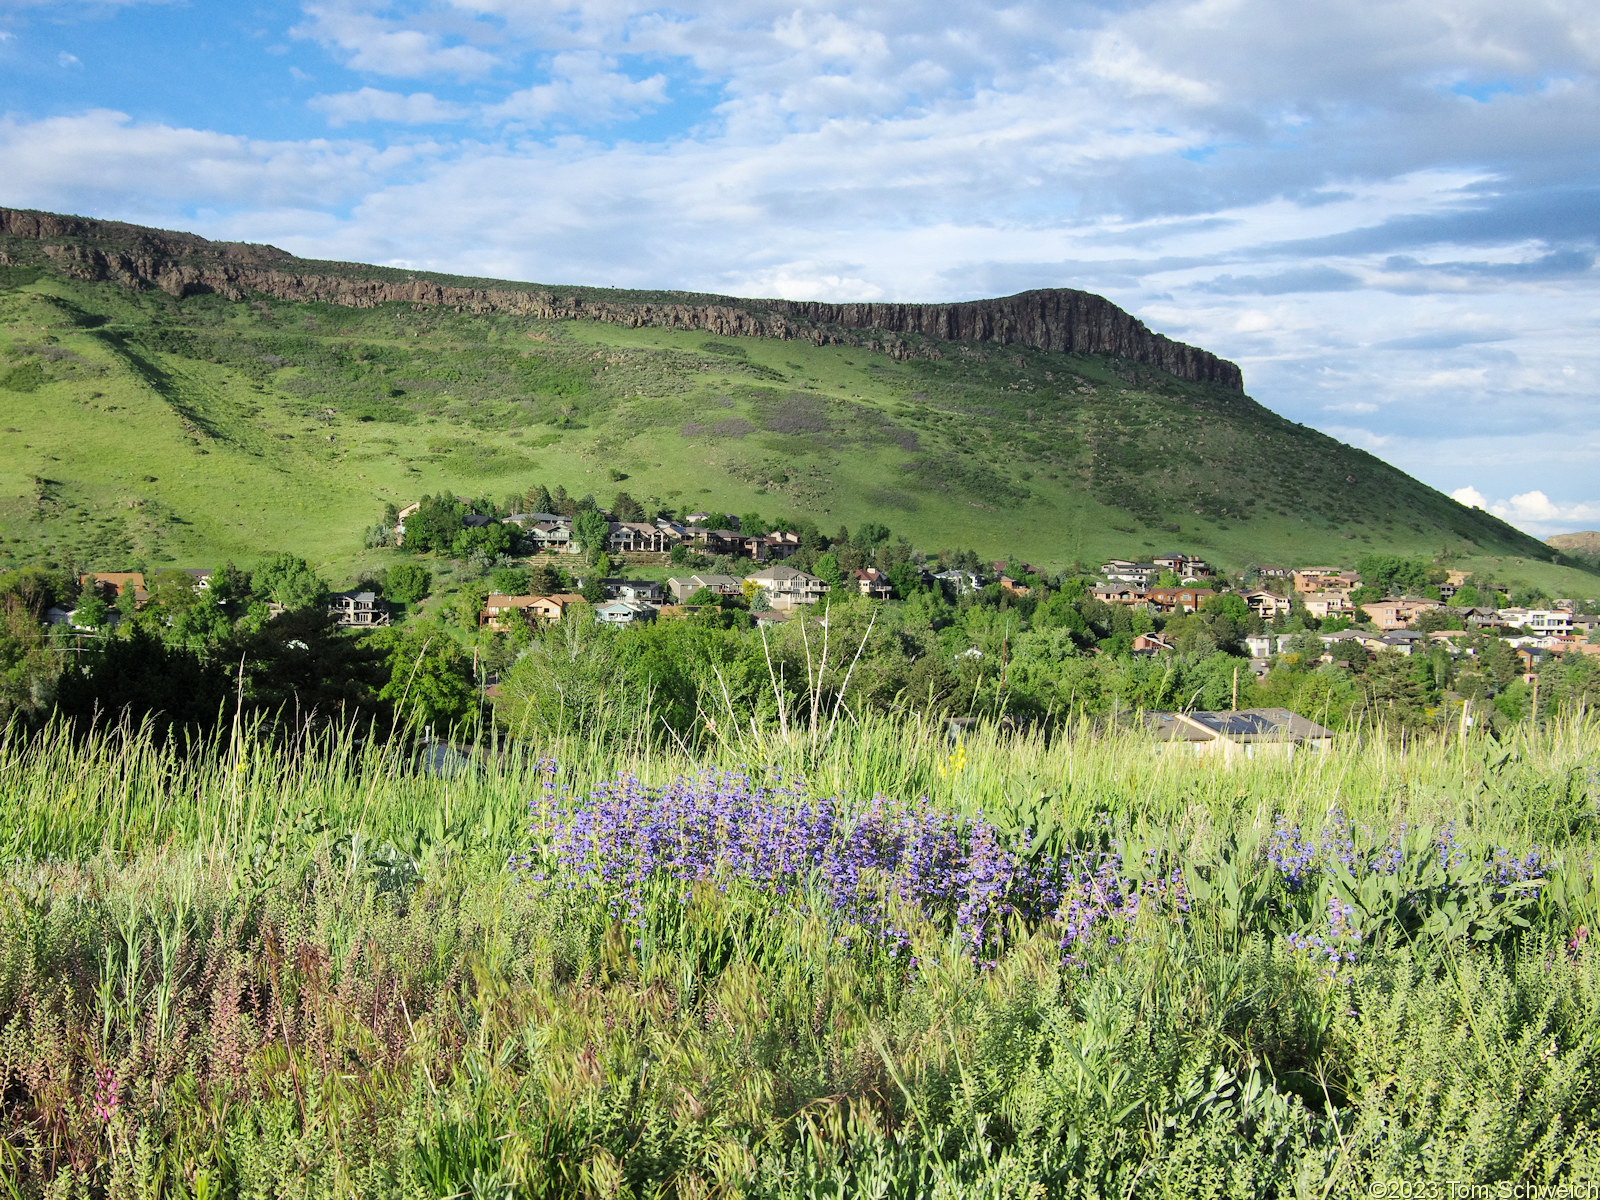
{"points": [[1386, 212]]}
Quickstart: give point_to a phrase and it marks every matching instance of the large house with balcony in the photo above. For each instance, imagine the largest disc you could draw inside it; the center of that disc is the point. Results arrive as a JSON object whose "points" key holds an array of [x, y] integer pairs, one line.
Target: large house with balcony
{"points": [[788, 588]]}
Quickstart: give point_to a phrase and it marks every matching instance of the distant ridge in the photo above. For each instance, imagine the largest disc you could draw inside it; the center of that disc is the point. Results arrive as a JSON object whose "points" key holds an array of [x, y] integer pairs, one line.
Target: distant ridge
{"points": [[1584, 542], [1054, 319]]}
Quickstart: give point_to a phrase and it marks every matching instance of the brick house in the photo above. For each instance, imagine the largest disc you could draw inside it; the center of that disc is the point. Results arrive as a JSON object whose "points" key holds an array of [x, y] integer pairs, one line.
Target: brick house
{"points": [[1178, 599]]}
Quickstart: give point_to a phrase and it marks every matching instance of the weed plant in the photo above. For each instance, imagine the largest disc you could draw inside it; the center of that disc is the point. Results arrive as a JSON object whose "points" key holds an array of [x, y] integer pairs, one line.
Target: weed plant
{"points": [[594, 968]]}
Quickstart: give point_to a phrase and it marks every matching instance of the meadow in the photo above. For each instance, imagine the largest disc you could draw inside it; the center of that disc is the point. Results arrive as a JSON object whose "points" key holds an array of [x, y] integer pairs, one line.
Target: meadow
{"points": [[838, 960]]}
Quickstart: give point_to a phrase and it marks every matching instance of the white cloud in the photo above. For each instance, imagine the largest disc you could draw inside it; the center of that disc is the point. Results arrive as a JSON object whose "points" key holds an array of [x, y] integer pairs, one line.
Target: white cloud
{"points": [[584, 87], [1535, 512], [68, 60], [105, 161], [383, 46], [371, 104]]}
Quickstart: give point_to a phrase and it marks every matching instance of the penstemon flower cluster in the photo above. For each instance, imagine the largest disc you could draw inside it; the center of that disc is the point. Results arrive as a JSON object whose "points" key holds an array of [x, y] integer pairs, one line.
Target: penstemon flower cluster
{"points": [[719, 828]]}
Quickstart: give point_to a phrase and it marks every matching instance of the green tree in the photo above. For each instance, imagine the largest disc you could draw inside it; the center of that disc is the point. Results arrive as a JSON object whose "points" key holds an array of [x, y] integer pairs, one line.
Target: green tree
{"points": [[512, 581], [429, 680], [828, 570], [590, 530], [406, 583], [288, 580]]}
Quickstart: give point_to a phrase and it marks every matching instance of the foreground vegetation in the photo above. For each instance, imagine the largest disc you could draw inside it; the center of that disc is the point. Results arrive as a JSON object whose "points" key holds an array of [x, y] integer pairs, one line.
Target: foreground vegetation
{"points": [[332, 967]]}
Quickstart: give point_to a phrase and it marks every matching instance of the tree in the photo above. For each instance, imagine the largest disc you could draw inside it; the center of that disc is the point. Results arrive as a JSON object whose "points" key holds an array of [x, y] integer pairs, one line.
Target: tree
{"points": [[752, 524], [590, 530], [701, 596], [512, 581], [301, 665], [626, 508], [827, 569], [429, 676], [539, 500], [406, 583], [288, 580], [434, 526], [140, 677]]}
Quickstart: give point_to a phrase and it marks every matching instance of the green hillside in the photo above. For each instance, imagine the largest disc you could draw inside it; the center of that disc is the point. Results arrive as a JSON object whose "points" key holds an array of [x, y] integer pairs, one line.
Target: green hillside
{"points": [[143, 427]]}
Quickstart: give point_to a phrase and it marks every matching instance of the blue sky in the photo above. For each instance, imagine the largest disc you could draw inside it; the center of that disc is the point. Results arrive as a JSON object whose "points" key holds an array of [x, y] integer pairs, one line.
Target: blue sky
{"points": [[1387, 213]]}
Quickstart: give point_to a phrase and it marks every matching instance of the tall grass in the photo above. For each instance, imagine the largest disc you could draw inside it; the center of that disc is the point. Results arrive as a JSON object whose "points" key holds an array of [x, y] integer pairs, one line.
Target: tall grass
{"points": [[258, 967], [121, 792]]}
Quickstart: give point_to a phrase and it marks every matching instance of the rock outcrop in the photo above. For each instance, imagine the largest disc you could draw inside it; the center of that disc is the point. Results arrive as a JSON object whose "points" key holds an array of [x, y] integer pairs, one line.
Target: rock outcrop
{"points": [[1058, 319]]}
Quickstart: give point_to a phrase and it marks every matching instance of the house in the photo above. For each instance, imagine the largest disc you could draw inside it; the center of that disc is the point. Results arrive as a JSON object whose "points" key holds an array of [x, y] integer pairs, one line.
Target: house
{"points": [[1240, 733], [1273, 572], [1266, 605], [1113, 593], [787, 588], [781, 543], [1265, 645], [1323, 605], [874, 583], [719, 585], [1322, 579], [697, 518], [637, 537], [1537, 620], [1398, 613], [1120, 570], [109, 584], [730, 542], [554, 536], [1184, 566], [500, 612], [201, 577], [400, 522], [1151, 643], [358, 610], [475, 520], [646, 591], [961, 582], [550, 609], [1403, 640], [624, 612], [1178, 599], [1008, 584]]}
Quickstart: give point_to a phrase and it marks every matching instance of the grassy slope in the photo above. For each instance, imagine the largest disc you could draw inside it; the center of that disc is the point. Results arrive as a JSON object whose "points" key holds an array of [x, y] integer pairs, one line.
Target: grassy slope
{"points": [[189, 431]]}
